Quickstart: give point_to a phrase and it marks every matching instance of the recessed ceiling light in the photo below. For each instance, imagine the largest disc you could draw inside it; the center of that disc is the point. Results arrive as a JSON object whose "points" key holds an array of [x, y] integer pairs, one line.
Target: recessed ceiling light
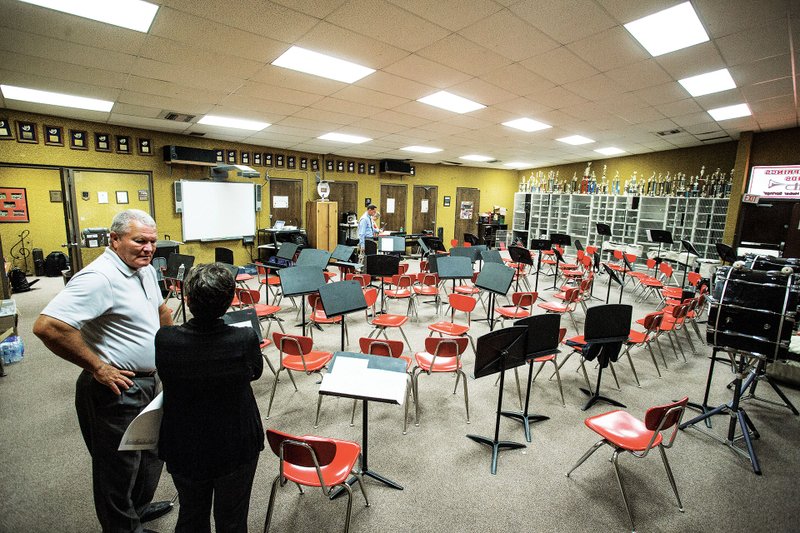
{"points": [[344, 138], [10, 92], [422, 149], [710, 82], [451, 102], [527, 124], [238, 123], [671, 29], [731, 111], [330, 67], [575, 140], [518, 164], [132, 14], [611, 150], [476, 157]]}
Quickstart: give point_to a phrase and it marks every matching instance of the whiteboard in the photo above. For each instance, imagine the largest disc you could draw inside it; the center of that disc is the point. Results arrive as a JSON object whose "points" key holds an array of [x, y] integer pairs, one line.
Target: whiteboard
{"points": [[215, 210]]}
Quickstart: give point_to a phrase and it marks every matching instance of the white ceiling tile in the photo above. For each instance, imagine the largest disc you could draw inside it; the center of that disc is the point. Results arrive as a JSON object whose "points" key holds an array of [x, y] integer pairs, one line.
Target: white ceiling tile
{"points": [[691, 61], [388, 23], [724, 17], [159, 87], [325, 115], [34, 81], [772, 105], [557, 97], [276, 93], [362, 95], [560, 66], [598, 87], [681, 107], [57, 111], [509, 36], [450, 14], [268, 109], [464, 55], [403, 119], [379, 125], [39, 66], [662, 94], [293, 80], [523, 107], [149, 123], [557, 19], [517, 79], [395, 85], [481, 91], [608, 50], [193, 56], [431, 73], [756, 43], [639, 75], [771, 68], [350, 45], [626, 11], [768, 89], [315, 8], [184, 75], [164, 102], [346, 107]]}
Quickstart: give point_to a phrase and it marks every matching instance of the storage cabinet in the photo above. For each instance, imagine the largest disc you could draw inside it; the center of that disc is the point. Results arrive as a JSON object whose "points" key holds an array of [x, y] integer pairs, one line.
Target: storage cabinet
{"points": [[698, 220], [322, 224]]}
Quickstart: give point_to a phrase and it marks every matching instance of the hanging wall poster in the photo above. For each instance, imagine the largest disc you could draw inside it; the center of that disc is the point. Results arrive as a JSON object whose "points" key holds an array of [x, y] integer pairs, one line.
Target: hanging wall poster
{"points": [[466, 211], [13, 204]]}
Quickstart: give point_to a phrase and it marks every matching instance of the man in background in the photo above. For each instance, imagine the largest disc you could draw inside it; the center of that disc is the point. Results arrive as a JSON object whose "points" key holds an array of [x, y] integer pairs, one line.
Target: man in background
{"points": [[366, 228], [105, 321]]}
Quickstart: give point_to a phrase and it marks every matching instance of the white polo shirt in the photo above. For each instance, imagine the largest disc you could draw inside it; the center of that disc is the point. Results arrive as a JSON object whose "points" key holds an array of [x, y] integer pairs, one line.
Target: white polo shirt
{"points": [[116, 310]]}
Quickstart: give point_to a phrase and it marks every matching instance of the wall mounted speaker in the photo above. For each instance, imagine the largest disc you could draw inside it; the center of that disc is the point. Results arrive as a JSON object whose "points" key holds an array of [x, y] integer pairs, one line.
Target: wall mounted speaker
{"points": [[178, 197], [258, 197]]}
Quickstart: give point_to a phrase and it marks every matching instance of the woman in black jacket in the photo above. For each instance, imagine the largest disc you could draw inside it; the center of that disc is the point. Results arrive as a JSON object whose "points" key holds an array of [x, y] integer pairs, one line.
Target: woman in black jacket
{"points": [[211, 432]]}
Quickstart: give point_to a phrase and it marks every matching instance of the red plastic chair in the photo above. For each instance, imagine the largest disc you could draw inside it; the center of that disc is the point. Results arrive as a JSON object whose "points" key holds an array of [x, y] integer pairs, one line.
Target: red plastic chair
{"points": [[570, 303], [522, 306], [625, 433], [384, 321], [314, 462], [272, 282], [362, 279], [552, 358], [428, 285], [297, 353], [250, 298], [637, 338], [401, 290], [462, 303], [318, 316], [441, 355]]}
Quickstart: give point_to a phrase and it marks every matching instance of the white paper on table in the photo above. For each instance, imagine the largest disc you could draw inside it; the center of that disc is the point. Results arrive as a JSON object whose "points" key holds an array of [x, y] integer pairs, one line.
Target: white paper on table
{"points": [[142, 433], [350, 364], [368, 383], [280, 202], [423, 208], [390, 205]]}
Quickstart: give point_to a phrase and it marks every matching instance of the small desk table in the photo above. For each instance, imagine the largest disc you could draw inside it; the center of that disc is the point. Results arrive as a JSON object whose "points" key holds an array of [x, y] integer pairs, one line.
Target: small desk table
{"points": [[367, 378]]}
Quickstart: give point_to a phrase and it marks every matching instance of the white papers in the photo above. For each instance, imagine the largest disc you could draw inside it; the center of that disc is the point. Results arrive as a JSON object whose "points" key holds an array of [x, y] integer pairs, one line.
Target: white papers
{"points": [[280, 202], [390, 205], [142, 433], [102, 197], [423, 208], [354, 379]]}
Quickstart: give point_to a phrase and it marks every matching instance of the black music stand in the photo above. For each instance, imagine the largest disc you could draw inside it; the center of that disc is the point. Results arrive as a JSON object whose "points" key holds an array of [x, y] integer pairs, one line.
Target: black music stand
{"points": [[382, 265], [495, 278], [423, 248], [690, 249], [342, 298], [391, 245], [661, 237], [465, 251], [611, 276], [286, 251], [626, 267], [499, 351], [453, 267], [543, 331], [604, 230], [521, 256], [604, 332], [491, 256], [176, 274], [477, 251], [299, 281], [561, 239], [539, 245], [312, 257], [726, 253]]}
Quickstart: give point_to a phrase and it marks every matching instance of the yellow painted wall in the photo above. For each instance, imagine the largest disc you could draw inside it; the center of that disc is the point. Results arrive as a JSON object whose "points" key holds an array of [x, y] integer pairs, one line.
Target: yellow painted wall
{"points": [[497, 186]]}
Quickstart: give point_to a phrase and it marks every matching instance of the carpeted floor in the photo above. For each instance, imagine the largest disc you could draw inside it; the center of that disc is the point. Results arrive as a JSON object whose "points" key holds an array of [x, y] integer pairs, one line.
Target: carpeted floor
{"points": [[46, 486]]}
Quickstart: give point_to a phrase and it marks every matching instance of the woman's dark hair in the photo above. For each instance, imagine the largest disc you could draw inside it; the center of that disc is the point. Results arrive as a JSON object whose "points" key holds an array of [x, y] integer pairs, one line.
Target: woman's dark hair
{"points": [[210, 290]]}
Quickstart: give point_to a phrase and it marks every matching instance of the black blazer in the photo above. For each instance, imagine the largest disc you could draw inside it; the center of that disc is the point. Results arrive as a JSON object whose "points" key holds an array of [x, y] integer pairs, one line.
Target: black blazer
{"points": [[211, 424]]}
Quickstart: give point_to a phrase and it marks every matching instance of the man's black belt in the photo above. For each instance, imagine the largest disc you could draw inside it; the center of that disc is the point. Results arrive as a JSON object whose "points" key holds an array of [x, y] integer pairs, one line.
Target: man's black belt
{"points": [[146, 374]]}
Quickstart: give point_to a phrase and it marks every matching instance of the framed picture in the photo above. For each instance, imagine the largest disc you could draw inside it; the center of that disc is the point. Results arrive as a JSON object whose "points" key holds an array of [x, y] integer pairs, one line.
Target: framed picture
{"points": [[122, 197], [279, 160], [13, 204], [219, 155], [339, 166], [145, 146], [371, 169], [5, 129], [56, 197], [329, 165], [257, 158], [245, 158], [362, 168], [123, 144], [102, 142], [446, 201], [303, 163], [143, 195], [267, 160], [315, 165], [291, 162], [26, 132], [53, 135], [78, 139], [367, 201], [351, 166], [231, 157]]}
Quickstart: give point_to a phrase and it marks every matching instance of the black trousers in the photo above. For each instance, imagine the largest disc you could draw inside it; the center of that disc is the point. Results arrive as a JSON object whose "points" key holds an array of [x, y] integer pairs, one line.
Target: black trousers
{"points": [[123, 482], [231, 499]]}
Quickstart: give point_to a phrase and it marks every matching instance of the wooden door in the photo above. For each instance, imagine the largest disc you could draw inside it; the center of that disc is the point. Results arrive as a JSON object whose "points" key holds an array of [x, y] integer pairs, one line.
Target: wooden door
{"points": [[393, 207], [468, 205], [286, 201], [423, 215], [792, 248], [345, 194]]}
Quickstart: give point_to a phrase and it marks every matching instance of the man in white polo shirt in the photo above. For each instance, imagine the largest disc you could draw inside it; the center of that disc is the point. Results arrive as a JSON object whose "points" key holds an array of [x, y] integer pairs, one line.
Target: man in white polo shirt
{"points": [[105, 321]]}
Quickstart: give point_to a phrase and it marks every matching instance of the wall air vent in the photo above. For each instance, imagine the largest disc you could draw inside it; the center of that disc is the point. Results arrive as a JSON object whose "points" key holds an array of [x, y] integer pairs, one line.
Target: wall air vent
{"points": [[665, 133], [452, 163], [176, 117]]}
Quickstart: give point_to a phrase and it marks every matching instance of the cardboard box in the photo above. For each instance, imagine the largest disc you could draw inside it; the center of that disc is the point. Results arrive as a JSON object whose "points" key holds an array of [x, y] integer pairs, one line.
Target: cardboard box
{"points": [[8, 315]]}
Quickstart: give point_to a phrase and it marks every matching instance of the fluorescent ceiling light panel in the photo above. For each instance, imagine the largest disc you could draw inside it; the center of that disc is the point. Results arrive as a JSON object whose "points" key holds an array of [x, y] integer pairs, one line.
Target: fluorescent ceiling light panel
{"points": [[668, 30], [575, 140], [731, 111], [710, 82], [451, 102], [611, 150], [132, 14], [344, 138], [527, 124], [326, 66], [518, 164], [422, 149], [11, 92], [478, 158], [237, 123]]}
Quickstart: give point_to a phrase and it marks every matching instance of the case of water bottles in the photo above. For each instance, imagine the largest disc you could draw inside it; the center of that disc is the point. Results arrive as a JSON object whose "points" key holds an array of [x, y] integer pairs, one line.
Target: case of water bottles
{"points": [[12, 350]]}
